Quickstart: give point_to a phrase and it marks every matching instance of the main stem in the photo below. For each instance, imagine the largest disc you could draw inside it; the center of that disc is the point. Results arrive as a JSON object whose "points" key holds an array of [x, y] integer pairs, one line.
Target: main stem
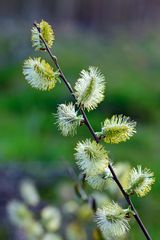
{"points": [[97, 139]]}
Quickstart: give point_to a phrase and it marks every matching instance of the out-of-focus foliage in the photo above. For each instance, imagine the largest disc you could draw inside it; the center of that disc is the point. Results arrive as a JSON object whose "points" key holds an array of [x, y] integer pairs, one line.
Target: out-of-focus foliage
{"points": [[40, 218], [47, 221], [131, 66]]}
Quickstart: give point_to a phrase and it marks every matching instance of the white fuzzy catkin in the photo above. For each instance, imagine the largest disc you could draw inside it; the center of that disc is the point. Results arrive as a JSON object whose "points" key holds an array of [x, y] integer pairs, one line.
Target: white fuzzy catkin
{"points": [[118, 129], [19, 213], [39, 74], [140, 181], [29, 192], [91, 157], [68, 119], [89, 88], [112, 221], [46, 32], [99, 181], [51, 218]]}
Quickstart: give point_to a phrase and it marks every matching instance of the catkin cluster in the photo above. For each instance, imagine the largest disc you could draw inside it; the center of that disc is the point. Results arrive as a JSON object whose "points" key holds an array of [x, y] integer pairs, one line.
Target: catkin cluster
{"points": [[91, 157]]}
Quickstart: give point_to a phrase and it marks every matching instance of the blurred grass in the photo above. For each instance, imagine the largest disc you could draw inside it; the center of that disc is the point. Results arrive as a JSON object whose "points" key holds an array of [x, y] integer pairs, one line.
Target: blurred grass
{"points": [[131, 66]]}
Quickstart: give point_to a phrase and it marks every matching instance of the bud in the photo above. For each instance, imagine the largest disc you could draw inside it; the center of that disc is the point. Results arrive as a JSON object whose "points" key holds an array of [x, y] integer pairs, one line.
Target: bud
{"points": [[89, 88], [117, 129], [39, 74], [91, 157], [68, 119], [29, 193], [140, 181], [112, 221], [51, 218], [34, 230], [99, 181], [47, 33], [19, 214]]}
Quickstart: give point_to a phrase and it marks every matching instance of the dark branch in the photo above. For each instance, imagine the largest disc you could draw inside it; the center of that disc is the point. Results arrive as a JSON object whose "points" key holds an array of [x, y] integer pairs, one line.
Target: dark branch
{"points": [[97, 139]]}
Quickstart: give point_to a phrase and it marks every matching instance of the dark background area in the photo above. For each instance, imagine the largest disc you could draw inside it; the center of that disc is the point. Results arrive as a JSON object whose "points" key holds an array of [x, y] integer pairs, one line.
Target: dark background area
{"points": [[122, 38]]}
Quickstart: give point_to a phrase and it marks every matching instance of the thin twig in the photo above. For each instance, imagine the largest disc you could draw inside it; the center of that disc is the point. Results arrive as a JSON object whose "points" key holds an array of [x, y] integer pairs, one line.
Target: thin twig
{"points": [[80, 191], [97, 139]]}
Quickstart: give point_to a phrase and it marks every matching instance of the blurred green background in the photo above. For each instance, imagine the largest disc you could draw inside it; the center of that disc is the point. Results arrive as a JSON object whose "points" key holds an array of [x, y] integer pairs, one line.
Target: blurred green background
{"points": [[123, 44]]}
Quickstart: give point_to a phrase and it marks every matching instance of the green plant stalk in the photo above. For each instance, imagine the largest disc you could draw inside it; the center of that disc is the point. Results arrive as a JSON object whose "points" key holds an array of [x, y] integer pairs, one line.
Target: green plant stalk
{"points": [[97, 139]]}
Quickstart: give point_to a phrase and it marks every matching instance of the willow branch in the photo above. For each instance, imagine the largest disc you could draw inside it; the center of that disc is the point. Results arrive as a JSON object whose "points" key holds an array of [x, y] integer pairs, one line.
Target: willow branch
{"points": [[96, 138], [80, 191]]}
